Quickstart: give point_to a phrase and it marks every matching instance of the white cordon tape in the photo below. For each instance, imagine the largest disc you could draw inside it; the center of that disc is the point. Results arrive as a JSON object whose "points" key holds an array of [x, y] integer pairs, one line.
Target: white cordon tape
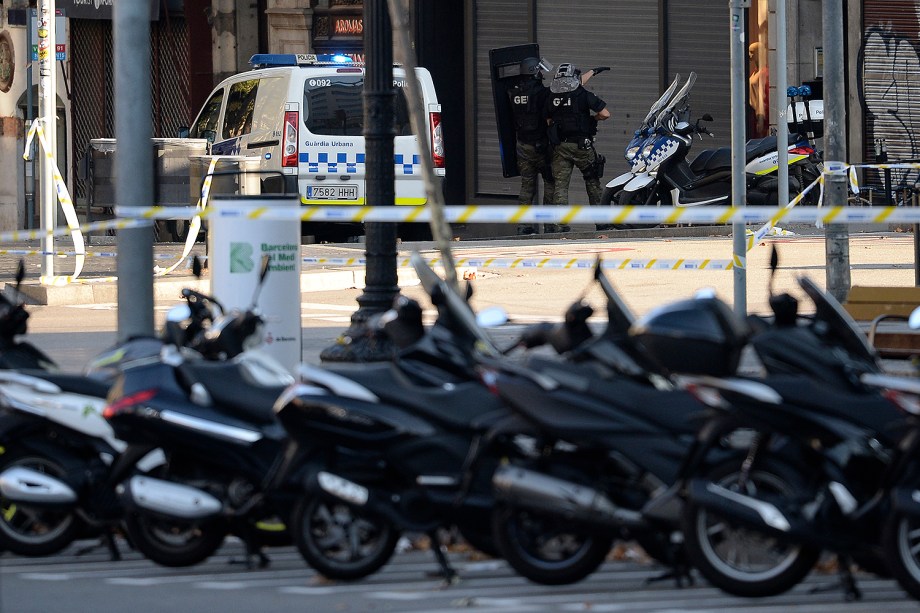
{"points": [[67, 254], [111, 224], [195, 223], [63, 196]]}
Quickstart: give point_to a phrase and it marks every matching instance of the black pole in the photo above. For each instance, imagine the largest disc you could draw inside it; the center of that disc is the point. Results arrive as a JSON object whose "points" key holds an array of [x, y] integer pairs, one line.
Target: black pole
{"points": [[360, 343]]}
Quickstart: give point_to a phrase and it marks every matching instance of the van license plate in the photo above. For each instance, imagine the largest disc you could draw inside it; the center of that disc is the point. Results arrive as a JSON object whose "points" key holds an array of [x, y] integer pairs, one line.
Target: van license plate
{"points": [[332, 192]]}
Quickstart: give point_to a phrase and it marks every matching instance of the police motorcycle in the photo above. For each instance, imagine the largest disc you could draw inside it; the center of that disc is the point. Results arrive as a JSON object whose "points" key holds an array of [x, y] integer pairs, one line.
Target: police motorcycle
{"points": [[647, 131], [208, 407], [402, 443], [831, 452], [57, 449], [675, 180]]}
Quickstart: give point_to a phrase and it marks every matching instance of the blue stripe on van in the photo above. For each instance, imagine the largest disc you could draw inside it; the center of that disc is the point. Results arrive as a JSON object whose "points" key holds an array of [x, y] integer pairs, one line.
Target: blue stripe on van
{"points": [[334, 162]]}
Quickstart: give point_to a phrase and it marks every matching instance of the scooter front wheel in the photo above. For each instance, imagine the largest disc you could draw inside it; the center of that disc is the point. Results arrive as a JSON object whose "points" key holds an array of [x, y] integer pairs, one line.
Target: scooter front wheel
{"points": [[341, 541], [901, 544], [545, 548], [30, 531], [739, 560]]}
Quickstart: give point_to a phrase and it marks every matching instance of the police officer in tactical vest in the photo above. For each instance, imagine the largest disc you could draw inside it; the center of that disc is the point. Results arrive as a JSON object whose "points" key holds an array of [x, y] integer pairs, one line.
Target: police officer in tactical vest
{"points": [[528, 100], [571, 131]]}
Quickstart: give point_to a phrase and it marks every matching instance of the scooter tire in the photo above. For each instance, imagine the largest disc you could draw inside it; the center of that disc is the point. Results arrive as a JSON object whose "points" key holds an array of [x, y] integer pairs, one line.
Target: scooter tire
{"points": [[526, 540], [38, 532], [174, 543], [699, 528], [341, 541], [899, 543]]}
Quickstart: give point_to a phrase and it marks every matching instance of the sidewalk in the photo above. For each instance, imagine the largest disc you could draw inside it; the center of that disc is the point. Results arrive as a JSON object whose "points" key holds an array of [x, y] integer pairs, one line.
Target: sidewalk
{"points": [[876, 259]]}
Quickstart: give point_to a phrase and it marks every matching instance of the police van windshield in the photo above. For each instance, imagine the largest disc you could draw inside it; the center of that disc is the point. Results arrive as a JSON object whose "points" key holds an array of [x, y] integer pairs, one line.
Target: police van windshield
{"points": [[333, 105]]}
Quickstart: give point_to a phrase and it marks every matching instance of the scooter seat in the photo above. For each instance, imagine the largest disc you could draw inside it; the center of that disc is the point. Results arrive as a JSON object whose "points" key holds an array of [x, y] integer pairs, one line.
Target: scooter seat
{"points": [[458, 405], [71, 383], [232, 389], [870, 410], [710, 160]]}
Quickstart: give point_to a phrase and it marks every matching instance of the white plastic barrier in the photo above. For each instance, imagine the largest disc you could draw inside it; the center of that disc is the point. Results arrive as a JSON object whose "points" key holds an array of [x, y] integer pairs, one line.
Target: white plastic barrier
{"points": [[236, 244]]}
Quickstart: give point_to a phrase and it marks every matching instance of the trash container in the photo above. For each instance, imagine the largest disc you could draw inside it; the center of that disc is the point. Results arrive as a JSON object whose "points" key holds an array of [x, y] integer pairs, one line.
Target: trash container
{"points": [[232, 175], [170, 178]]}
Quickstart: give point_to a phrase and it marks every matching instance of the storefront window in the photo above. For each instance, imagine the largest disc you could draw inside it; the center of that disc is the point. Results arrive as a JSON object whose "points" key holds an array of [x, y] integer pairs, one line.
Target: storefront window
{"points": [[758, 123]]}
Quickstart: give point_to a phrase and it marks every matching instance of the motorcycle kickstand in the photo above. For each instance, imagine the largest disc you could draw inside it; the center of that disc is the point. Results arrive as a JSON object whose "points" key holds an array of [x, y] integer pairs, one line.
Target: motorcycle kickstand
{"points": [[253, 552], [108, 539], [847, 581], [679, 571], [451, 577]]}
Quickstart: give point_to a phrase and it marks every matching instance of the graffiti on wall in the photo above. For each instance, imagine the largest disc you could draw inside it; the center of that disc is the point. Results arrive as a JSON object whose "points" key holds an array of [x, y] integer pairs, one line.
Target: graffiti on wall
{"points": [[889, 79]]}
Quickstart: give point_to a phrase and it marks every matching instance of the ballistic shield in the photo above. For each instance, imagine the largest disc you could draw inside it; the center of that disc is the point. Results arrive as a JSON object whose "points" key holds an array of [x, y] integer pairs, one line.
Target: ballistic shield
{"points": [[508, 65]]}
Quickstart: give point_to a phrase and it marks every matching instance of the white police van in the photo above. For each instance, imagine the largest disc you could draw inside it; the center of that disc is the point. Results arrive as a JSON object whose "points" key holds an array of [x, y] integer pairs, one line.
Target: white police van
{"points": [[303, 115]]}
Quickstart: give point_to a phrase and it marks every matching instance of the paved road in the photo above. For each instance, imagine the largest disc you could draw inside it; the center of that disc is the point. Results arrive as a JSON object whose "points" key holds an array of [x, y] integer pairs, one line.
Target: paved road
{"points": [[94, 584]]}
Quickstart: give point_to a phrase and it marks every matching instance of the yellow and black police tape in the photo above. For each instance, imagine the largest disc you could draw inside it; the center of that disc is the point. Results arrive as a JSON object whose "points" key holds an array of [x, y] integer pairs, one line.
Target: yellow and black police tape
{"points": [[133, 216]]}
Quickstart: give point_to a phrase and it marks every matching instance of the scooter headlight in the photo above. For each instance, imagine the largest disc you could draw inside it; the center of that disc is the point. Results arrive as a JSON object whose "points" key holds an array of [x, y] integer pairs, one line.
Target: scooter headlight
{"points": [[631, 153], [647, 150]]}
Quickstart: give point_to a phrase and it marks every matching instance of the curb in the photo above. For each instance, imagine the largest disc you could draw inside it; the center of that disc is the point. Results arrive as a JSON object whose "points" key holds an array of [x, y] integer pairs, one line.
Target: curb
{"points": [[170, 289]]}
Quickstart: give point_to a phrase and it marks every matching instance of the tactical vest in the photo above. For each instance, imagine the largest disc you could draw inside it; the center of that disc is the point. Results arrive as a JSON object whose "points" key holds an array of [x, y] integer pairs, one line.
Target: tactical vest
{"points": [[527, 110], [570, 112]]}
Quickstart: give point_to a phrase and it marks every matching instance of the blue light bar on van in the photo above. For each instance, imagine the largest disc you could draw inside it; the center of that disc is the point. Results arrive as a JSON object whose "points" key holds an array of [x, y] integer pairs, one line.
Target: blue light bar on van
{"points": [[266, 60]]}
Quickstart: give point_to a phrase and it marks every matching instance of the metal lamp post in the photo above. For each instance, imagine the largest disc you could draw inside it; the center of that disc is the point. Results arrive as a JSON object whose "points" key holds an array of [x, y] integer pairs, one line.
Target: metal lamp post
{"points": [[360, 343]]}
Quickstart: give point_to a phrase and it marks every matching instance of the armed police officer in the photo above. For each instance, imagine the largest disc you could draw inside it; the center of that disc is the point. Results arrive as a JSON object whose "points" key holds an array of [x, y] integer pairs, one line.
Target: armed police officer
{"points": [[528, 101], [572, 127]]}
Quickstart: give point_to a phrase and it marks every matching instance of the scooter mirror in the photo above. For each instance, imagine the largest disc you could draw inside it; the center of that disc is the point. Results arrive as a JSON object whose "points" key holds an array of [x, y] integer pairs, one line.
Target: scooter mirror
{"points": [[706, 117], [20, 273], [491, 317], [178, 313], [263, 271], [913, 322], [774, 264], [705, 293]]}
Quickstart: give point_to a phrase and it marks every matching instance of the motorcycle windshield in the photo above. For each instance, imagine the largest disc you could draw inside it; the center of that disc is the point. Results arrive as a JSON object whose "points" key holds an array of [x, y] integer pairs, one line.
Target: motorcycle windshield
{"points": [[678, 100], [459, 308], [618, 314], [840, 323], [665, 97]]}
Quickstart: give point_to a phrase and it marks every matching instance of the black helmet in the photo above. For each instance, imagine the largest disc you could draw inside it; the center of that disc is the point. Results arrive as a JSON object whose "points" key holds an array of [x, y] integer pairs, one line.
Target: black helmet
{"points": [[535, 67]]}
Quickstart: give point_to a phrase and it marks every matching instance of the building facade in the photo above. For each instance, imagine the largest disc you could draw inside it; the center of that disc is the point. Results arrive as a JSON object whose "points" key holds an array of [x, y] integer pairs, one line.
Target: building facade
{"points": [[195, 43]]}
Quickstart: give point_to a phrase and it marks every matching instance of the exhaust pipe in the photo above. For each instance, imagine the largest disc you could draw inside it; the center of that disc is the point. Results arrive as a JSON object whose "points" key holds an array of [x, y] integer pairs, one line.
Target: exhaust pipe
{"points": [[27, 486], [168, 498], [530, 489], [741, 507]]}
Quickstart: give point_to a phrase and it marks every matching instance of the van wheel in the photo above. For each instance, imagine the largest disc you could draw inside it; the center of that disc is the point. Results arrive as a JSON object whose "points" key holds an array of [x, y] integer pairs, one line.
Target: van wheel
{"points": [[178, 230], [161, 233], [414, 231]]}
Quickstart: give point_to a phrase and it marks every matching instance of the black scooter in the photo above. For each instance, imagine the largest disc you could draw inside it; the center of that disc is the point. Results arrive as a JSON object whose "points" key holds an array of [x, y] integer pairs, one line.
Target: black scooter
{"points": [[401, 443], [612, 430], [826, 450], [226, 461], [55, 447]]}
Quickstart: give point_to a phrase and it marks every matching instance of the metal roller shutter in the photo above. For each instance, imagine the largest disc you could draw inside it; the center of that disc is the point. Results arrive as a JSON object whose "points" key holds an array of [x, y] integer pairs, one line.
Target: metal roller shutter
{"points": [[498, 23], [621, 35], [698, 41], [889, 78]]}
